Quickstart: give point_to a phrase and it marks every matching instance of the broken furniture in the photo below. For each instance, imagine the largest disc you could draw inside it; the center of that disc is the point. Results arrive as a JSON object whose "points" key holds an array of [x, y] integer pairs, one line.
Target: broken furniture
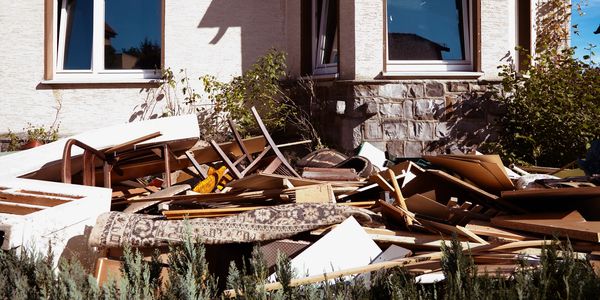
{"points": [[235, 167], [38, 214]]}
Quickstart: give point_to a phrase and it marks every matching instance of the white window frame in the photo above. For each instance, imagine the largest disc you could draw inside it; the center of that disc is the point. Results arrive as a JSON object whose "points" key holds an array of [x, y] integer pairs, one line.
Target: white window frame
{"points": [[319, 37], [435, 65], [97, 73]]}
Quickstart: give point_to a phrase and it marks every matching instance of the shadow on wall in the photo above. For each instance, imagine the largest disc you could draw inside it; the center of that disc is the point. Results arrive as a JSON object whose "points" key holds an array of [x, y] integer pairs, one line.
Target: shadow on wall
{"points": [[261, 22], [471, 119]]}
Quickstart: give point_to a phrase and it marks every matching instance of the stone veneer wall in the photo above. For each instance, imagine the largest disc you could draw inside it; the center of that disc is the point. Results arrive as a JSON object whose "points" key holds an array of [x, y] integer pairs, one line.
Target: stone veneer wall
{"points": [[407, 118]]}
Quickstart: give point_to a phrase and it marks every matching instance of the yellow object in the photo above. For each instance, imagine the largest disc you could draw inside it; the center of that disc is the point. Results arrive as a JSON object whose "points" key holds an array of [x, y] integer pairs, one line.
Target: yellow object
{"points": [[216, 179]]}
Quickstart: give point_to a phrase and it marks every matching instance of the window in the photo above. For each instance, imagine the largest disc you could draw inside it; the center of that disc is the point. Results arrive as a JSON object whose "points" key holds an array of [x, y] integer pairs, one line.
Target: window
{"points": [[107, 39], [429, 35], [325, 37]]}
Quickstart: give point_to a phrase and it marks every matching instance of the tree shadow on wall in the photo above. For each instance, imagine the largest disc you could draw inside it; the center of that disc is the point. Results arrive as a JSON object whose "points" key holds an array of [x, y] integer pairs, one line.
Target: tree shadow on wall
{"points": [[261, 25], [469, 120]]}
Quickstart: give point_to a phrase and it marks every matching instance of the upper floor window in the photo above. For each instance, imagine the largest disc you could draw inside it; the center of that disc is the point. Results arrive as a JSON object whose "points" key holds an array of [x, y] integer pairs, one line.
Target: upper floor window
{"points": [[325, 36], [427, 35], [107, 39]]}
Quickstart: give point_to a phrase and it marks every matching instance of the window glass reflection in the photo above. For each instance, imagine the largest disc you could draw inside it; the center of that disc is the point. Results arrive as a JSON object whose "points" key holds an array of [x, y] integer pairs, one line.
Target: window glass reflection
{"points": [[77, 34], [132, 35], [425, 30]]}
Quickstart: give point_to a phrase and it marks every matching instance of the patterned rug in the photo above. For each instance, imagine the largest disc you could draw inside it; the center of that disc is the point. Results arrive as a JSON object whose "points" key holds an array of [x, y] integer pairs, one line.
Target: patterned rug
{"points": [[115, 229]]}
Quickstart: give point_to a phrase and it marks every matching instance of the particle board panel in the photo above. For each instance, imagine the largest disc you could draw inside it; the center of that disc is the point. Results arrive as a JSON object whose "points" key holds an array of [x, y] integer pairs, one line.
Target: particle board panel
{"points": [[572, 225]]}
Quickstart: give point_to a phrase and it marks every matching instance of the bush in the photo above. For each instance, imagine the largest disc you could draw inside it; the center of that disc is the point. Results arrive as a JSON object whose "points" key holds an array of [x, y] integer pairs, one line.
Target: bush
{"points": [[560, 275], [551, 111]]}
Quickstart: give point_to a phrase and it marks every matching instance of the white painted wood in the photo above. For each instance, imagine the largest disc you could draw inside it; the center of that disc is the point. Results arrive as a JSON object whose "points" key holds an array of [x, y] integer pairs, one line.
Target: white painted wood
{"points": [[172, 128], [346, 246], [57, 226]]}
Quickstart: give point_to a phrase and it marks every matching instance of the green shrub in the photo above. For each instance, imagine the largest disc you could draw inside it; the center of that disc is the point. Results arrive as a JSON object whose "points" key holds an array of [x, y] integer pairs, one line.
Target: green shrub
{"points": [[551, 111], [552, 108], [261, 87], [560, 275]]}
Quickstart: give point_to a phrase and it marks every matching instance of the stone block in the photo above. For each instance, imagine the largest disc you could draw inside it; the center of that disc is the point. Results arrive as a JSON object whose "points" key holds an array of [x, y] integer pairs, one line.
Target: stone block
{"points": [[460, 87], [392, 90], [372, 108], [443, 130], [413, 149], [422, 131], [434, 89], [365, 90], [429, 109], [395, 130], [395, 149], [415, 90], [372, 130], [408, 109], [391, 109]]}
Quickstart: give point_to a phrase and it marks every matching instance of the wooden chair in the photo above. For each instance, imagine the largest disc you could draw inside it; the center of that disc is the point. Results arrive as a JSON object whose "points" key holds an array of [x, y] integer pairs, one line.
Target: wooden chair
{"points": [[278, 164]]}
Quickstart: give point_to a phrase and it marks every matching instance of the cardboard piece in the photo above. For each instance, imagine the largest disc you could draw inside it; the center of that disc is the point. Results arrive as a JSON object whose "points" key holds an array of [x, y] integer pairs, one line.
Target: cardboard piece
{"points": [[486, 171], [346, 246]]}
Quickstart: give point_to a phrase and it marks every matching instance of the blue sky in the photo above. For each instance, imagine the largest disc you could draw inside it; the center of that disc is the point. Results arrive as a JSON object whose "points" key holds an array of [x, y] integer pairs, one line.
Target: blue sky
{"points": [[587, 24]]}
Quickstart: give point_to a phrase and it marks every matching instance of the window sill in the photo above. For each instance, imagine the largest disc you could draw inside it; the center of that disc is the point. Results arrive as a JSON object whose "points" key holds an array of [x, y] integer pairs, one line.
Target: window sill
{"points": [[433, 75], [100, 83], [321, 77]]}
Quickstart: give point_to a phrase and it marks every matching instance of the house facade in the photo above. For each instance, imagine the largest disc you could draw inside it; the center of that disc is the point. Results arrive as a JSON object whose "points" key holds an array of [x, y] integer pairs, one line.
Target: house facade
{"points": [[406, 75]]}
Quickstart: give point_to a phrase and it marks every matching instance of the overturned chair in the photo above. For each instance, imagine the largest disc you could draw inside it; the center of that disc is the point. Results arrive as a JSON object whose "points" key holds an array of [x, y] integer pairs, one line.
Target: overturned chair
{"points": [[239, 169]]}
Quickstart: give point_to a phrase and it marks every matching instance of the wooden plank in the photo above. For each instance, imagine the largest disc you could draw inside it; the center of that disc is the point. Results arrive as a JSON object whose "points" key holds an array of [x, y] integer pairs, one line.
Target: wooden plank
{"points": [[396, 213], [17, 209], [207, 154], [268, 181], [322, 193], [335, 174], [399, 198], [170, 191], [420, 204], [485, 229], [562, 193], [488, 176], [447, 186], [571, 225], [32, 199]]}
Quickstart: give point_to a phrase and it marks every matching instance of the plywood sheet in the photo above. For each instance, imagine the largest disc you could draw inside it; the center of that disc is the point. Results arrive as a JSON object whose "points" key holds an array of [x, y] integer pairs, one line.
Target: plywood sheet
{"points": [[571, 225]]}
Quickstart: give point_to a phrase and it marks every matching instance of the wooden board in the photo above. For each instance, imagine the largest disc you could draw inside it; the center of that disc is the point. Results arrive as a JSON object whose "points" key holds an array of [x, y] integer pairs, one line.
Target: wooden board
{"points": [[207, 154], [44, 162], [170, 191], [447, 186], [322, 193], [571, 225], [334, 174], [486, 175], [423, 205], [269, 181]]}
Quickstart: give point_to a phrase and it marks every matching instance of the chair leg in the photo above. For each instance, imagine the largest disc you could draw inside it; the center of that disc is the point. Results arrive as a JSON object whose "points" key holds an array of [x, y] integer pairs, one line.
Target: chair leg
{"points": [[235, 172], [239, 141], [271, 143]]}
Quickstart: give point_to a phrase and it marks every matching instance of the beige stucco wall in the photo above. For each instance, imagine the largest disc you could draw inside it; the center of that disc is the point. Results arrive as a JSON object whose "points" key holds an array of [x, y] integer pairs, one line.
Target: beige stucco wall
{"points": [[204, 37], [221, 38]]}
